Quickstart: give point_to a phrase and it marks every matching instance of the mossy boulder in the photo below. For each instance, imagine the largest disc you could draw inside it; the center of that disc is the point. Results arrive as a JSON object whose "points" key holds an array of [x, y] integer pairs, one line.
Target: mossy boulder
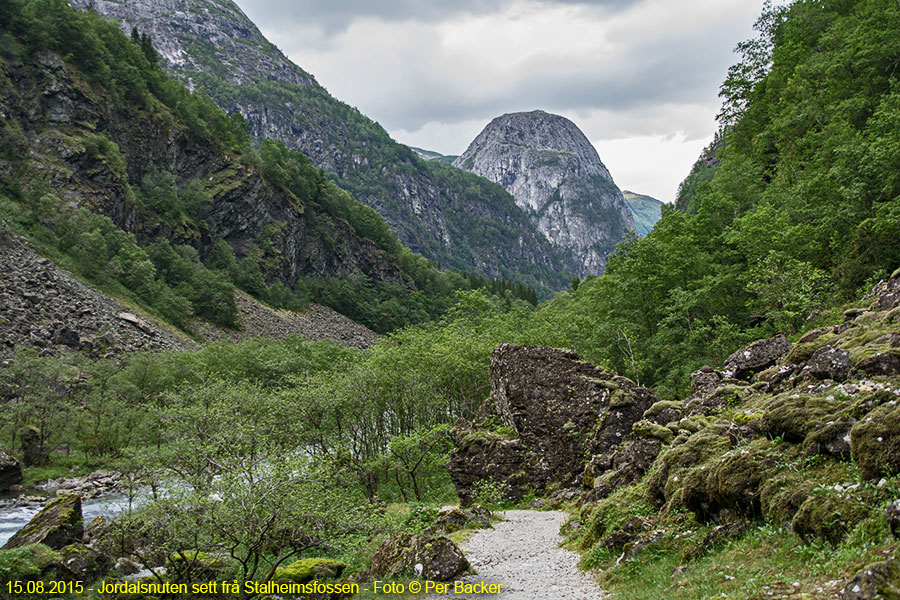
{"points": [[648, 429], [829, 517], [309, 569], [448, 521], [406, 555], [875, 442], [664, 411], [879, 580], [794, 415], [87, 563], [58, 524], [31, 562], [829, 362], [781, 496], [831, 439], [667, 474], [734, 482]]}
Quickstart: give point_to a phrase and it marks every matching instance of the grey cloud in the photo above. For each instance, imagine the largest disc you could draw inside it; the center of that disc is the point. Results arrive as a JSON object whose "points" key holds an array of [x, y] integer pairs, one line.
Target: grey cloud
{"points": [[651, 75], [336, 15]]}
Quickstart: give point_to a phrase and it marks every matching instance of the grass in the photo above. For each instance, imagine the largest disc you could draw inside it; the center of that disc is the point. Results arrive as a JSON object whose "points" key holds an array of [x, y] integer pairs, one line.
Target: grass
{"points": [[61, 465], [765, 560]]}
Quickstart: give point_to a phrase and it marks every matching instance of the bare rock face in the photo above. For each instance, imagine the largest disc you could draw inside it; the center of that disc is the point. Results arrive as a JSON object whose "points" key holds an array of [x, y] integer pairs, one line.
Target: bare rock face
{"points": [[556, 176], [551, 413]]}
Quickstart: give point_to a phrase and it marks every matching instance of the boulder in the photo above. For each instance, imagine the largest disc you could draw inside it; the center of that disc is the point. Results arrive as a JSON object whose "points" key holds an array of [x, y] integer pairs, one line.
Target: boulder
{"points": [[893, 518], [705, 380], [88, 564], [829, 362], [828, 518], [889, 296], [480, 455], [883, 363], [406, 555], [10, 471], [308, 569], [58, 524], [831, 439], [558, 408], [875, 442], [880, 580], [33, 451], [756, 357]]}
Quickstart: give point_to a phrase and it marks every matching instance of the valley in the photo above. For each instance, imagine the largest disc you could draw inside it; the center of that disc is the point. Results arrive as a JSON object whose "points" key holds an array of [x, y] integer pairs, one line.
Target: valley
{"points": [[245, 336]]}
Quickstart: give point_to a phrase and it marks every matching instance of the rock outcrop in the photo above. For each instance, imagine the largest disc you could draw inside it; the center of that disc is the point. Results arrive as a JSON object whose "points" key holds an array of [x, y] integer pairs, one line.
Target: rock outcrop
{"points": [[549, 412], [556, 176]]}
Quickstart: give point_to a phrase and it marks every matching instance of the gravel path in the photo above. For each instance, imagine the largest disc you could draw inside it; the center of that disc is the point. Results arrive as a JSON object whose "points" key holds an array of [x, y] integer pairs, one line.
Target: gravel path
{"points": [[523, 553]]}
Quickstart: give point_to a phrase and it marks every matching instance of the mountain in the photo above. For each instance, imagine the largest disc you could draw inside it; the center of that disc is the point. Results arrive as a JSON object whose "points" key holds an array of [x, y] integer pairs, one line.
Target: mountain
{"points": [[448, 218], [435, 156], [557, 177], [645, 210]]}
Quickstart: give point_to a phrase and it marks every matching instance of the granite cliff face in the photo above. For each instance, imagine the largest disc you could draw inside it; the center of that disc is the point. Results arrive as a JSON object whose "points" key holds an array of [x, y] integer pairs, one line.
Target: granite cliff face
{"points": [[556, 176], [212, 44]]}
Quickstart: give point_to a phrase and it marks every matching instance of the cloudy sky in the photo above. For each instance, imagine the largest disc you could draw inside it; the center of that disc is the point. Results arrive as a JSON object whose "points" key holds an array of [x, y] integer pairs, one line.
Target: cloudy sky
{"points": [[639, 77]]}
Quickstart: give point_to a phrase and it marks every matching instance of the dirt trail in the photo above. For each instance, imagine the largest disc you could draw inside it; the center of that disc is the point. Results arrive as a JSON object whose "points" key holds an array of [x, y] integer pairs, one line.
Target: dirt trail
{"points": [[522, 553]]}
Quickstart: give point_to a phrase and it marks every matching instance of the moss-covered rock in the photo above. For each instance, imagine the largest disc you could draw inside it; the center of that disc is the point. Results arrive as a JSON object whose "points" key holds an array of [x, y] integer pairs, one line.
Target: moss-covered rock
{"points": [[829, 517], [10, 471], [831, 438], [667, 475], [309, 569], [58, 524], [31, 562], [648, 429], [405, 555], [878, 580], [781, 496], [86, 563], [734, 483], [875, 441], [794, 415], [661, 406]]}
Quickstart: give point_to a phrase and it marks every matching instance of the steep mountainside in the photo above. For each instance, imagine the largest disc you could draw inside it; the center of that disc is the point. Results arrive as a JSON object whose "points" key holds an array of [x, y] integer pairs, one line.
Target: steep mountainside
{"points": [[63, 121], [449, 219], [645, 210], [556, 176]]}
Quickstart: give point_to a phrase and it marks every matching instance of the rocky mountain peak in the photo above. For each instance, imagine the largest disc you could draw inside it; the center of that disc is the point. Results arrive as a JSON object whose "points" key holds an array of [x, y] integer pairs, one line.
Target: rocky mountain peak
{"points": [[556, 175]]}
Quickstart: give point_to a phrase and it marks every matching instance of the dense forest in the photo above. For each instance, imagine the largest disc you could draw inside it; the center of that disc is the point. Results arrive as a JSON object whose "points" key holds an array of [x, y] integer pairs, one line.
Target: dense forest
{"points": [[790, 217]]}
